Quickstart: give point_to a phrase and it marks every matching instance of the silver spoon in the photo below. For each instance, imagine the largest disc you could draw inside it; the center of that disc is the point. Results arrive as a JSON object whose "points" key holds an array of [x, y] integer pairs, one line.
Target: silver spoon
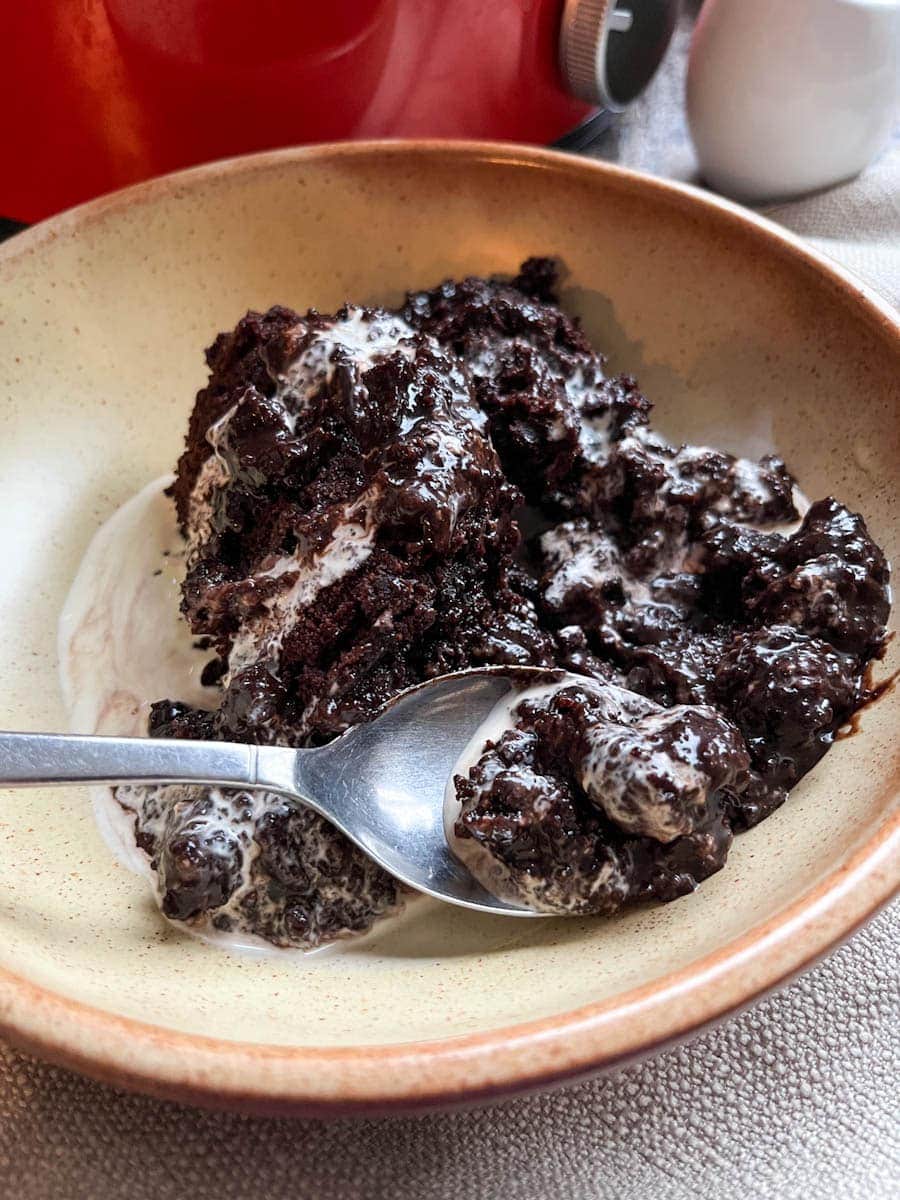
{"points": [[382, 784]]}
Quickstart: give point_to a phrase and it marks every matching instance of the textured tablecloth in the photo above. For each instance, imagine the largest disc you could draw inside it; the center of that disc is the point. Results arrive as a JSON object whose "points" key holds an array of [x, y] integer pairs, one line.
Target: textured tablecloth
{"points": [[797, 1098]]}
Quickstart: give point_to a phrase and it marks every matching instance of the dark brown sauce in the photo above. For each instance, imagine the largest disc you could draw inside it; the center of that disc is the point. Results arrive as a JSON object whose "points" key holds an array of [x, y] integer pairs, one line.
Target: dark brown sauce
{"points": [[872, 692]]}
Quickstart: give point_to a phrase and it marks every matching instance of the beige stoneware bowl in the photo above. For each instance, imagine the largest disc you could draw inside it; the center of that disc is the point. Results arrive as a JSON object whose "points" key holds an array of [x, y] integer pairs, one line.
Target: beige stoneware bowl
{"points": [[742, 336]]}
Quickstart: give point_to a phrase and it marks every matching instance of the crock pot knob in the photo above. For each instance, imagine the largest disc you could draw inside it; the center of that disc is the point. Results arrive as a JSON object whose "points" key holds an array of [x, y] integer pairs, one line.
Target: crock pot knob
{"points": [[610, 51]]}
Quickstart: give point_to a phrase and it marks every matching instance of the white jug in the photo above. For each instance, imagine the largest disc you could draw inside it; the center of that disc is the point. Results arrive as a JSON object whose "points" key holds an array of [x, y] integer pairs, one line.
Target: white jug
{"points": [[788, 96]]}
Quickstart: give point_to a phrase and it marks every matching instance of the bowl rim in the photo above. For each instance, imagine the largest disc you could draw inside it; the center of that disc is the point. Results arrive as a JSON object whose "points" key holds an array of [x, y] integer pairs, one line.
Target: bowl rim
{"points": [[308, 1080]]}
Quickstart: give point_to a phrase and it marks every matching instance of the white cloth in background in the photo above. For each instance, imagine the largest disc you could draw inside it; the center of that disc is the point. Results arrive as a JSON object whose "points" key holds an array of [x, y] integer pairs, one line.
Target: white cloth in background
{"points": [[857, 223]]}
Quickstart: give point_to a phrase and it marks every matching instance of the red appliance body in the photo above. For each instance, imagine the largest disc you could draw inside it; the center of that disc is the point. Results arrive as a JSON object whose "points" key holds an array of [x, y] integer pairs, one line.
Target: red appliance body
{"points": [[96, 94]]}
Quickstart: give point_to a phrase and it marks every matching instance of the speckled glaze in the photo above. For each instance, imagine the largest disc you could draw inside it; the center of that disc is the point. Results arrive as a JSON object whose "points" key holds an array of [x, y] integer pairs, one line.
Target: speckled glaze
{"points": [[744, 338]]}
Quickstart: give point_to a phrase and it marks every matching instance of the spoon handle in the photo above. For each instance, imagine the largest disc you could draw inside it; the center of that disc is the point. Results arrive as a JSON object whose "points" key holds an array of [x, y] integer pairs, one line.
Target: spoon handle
{"points": [[30, 759]]}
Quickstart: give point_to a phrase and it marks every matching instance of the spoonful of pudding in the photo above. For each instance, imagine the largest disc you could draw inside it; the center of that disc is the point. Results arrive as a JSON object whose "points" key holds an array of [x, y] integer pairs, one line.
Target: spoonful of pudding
{"points": [[442, 789]]}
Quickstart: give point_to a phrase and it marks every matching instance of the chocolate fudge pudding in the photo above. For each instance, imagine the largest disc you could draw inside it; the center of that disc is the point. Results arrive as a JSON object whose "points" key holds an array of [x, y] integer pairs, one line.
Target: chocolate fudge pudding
{"points": [[377, 497]]}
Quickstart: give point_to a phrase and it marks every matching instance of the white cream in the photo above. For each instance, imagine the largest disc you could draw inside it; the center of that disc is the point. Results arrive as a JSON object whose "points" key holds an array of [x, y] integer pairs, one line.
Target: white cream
{"points": [[620, 774], [594, 431], [123, 643], [211, 478], [122, 640], [361, 340], [578, 556], [350, 546], [594, 437]]}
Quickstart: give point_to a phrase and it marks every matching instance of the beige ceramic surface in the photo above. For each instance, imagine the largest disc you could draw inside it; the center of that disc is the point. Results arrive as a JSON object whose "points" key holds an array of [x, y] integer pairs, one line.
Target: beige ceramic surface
{"points": [[741, 337]]}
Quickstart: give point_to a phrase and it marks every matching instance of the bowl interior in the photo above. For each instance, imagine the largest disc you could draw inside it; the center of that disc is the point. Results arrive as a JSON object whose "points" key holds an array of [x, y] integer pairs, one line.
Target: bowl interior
{"points": [[103, 321]]}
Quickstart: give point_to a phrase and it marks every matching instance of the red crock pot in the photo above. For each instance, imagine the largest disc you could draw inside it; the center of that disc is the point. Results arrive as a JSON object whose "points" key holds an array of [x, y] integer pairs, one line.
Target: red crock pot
{"points": [[96, 94]]}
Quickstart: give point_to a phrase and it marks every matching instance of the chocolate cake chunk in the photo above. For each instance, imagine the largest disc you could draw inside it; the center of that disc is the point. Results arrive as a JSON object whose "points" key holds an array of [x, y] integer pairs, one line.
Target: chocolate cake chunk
{"points": [[597, 797], [376, 497]]}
